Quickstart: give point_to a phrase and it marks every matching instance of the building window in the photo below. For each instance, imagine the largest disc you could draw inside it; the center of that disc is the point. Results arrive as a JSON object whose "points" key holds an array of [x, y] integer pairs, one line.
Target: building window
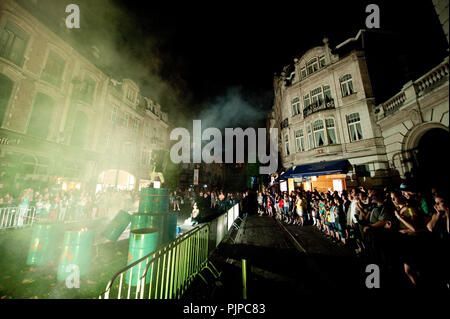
{"points": [[310, 138], [303, 71], [312, 66], [295, 106], [331, 132], [306, 100], [322, 61], [146, 156], [126, 120], [114, 113], [319, 133], [347, 85], [327, 93], [136, 125], [53, 70], [354, 127], [13, 41], [41, 116], [85, 91], [286, 144], [131, 95], [299, 140], [316, 96]]}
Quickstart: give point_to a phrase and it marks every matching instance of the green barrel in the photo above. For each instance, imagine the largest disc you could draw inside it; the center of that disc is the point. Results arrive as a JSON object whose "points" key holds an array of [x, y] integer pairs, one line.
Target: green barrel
{"points": [[140, 221], [42, 245], [76, 250], [116, 227], [142, 243], [162, 200], [171, 226], [154, 200], [146, 203], [159, 221]]}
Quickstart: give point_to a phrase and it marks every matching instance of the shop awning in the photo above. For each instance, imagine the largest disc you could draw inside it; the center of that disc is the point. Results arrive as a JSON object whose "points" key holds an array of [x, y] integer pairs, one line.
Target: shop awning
{"points": [[317, 169]]}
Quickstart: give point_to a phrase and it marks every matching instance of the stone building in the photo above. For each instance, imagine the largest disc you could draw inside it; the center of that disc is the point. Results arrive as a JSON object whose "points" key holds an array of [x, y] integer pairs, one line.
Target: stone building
{"points": [[63, 118], [324, 110], [415, 127]]}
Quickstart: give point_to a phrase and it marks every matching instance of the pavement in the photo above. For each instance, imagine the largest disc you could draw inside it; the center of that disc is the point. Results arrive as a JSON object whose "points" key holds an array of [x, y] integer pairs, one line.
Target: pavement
{"points": [[283, 262]]}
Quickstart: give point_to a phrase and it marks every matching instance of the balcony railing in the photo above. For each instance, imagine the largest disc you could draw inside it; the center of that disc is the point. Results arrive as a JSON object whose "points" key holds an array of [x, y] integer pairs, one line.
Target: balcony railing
{"points": [[421, 86], [316, 107]]}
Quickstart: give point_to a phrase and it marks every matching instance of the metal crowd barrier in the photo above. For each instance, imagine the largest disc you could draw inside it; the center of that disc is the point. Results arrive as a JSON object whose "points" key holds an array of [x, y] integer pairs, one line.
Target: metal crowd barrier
{"points": [[168, 272], [14, 217], [165, 273]]}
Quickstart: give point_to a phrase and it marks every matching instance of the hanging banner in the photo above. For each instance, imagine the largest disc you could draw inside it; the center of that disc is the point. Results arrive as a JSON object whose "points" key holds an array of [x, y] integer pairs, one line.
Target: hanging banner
{"points": [[195, 176]]}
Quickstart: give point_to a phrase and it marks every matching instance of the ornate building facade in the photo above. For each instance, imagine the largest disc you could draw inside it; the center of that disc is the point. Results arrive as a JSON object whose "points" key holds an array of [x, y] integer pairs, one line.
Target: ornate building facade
{"points": [[63, 119]]}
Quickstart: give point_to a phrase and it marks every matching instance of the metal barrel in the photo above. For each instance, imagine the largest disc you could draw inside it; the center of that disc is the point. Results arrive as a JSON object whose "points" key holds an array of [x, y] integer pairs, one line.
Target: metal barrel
{"points": [[145, 204], [42, 245], [142, 243], [154, 200], [76, 250], [162, 201], [157, 221], [116, 227], [140, 221], [171, 226]]}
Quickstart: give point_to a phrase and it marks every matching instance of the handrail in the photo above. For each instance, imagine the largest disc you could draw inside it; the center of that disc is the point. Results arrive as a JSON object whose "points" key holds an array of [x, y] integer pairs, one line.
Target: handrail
{"points": [[176, 264], [165, 252]]}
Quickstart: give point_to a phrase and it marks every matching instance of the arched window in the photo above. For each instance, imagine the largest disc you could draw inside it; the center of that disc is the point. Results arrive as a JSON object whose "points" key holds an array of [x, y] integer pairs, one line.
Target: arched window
{"points": [[346, 85], [6, 86], [312, 66], [79, 132], [354, 127], [319, 133], [41, 116], [331, 131]]}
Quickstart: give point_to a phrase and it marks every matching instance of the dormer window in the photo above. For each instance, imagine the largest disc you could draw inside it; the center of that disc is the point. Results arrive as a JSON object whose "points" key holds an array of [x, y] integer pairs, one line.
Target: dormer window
{"points": [[303, 71], [322, 61], [312, 66], [131, 94]]}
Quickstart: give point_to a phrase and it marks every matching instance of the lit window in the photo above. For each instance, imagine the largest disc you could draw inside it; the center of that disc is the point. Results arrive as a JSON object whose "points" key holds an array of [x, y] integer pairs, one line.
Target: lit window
{"points": [[299, 140], [331, 131], [295, 106], [347, 85], [312, 66], [319, 133], [354, 127]]}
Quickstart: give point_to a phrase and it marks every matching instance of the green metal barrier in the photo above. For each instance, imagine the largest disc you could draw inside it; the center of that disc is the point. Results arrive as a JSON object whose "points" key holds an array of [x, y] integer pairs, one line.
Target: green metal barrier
{"points": [[171, 269]]}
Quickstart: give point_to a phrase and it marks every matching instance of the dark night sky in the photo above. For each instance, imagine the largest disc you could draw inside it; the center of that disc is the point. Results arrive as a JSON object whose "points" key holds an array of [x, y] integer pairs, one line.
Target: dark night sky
{"points": [[202, 50]]}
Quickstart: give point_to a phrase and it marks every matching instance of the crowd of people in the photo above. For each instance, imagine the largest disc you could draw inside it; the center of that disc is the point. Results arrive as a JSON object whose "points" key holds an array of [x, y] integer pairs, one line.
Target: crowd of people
{"points": [[61, 205], [397, 229], [205, 203]]}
